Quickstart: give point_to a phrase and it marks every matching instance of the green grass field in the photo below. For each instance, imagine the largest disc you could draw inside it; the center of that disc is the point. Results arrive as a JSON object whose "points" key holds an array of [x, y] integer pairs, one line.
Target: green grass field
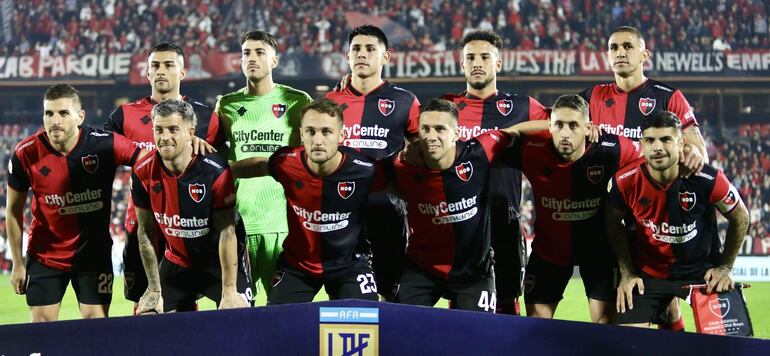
{"points": [[13, 308]]}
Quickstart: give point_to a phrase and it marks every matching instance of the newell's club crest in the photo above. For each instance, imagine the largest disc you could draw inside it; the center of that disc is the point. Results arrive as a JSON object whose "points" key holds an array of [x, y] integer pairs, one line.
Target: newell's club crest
{"points": [[719, 306], [386, 106], [687, 200], [346, 189], [197, 191], [90, 163], [595, 174], [505, 106], [279, 110], [646, 105], [464, 171]]}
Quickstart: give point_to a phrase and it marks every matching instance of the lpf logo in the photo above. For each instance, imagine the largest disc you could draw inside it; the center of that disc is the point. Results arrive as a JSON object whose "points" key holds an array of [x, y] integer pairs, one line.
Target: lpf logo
{"points": [[349, 331]]}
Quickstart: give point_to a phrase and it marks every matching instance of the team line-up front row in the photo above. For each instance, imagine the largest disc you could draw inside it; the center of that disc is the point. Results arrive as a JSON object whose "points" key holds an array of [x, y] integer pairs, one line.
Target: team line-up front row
{"points": [[603, 204]]}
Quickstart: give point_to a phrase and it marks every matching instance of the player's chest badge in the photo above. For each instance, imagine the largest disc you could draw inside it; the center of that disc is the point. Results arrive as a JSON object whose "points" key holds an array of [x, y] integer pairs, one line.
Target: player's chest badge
{"points": [[687, 200], [595, 173], [505, 106], [386, 106], [346, 189], [646, 105], [90, 163], [464, 171], [197, 191], [279, 110]]}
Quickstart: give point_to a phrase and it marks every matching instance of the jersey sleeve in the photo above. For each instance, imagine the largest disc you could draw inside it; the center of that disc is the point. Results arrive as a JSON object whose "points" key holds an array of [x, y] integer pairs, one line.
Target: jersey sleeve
{"points": [[114, 122], [414, 119], [614, 196], [724, 195], [17, 176], [295, 119], [586, 94], [223, 191], [139, 193], [493, 142], [511, 156], [629, 151], [215, 135], [537, 111], [679, 106], [125, 150], [381, 174]]}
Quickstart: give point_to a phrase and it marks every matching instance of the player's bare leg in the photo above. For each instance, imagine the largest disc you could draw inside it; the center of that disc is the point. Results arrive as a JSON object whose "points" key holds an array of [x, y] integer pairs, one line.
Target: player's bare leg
{"points": [[601, 311], [45, 312], [541, 310], [674, 319], [91, 311]]}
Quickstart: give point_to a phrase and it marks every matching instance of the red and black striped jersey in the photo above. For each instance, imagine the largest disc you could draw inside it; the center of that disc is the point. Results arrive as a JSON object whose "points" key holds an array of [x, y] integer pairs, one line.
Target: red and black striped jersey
{"points": [[377, 123], [569, 195], [676, 228], [183, 205], [621, 113], [325, 214], [72, 195], [134, 120], [449, 210]]}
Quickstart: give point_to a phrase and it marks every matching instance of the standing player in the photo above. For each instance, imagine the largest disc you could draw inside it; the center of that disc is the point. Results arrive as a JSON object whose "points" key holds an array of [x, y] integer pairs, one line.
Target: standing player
{"points": [[327, 187], [190, 199], [165, 72], [257, 120], [482, 108], [379, 118], [621, 107], [569, 177], [676, 236], [70, 170]]}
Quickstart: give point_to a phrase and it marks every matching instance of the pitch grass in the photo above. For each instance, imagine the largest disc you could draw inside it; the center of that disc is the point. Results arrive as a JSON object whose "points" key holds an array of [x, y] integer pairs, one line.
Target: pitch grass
{"points": [[13, 308]]}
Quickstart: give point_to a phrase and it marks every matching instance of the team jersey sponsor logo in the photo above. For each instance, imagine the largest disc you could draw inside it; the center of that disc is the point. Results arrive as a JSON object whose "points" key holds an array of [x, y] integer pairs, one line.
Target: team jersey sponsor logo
{"points": [[99, 134], [258, 141], [319, 221], [386, 106], [646, 105], [279, 110], [595, 173], [362, 163], [90, 163], [185, 228], [22, 147], [505, 106], [197, 191], [211, 162], [571, 210], [672, 234], [608, 144], [148, 146], [687, 200], [76, 202], [448, 213], [346, 189], [620, 130], [373, 134], [704, 175], [467, 133], [464, 171], [629, 173]]}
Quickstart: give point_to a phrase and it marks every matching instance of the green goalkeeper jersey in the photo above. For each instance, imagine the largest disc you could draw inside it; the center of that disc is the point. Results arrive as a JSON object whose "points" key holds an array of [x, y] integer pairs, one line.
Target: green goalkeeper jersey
{"points": [[256, 126]]}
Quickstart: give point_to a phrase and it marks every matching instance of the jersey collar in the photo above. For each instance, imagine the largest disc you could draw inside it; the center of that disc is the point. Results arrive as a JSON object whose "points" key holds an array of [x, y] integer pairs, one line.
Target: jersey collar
{"points": [[371, 92]]}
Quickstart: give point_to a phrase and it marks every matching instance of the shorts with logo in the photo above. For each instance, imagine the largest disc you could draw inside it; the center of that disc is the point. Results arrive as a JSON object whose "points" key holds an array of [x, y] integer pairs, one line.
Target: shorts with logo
{"points": [[180, 284], [658, 294], [419, 287], [386, 230], [544, 282], [46, 286], [290, 285]]}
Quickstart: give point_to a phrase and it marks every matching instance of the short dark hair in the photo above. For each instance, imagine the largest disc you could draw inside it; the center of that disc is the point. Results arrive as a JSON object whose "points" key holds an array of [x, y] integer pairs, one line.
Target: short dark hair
{"points": [[481, 35], [260, 36], [661, 119], [168, 47], [169, 107], [628, 29], [572, 101], [440, 105], [323, 106], [368, 30], [63, 90]]}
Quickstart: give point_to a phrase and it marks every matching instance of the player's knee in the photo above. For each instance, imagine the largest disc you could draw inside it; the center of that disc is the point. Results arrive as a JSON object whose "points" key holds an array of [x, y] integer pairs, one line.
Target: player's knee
{"points": [[93, 311]]}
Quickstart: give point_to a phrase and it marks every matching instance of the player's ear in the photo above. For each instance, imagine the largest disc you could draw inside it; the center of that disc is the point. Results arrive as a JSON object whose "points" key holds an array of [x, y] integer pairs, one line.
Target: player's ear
{"points": [[275, 60], [498, 62], [81, 117], [182, 71], [386, 56]]}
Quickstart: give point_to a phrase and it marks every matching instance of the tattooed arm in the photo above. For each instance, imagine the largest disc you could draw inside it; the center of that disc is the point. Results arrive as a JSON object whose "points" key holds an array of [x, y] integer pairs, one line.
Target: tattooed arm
{"points": [[224, 221], [720, 278], [152, 300]]}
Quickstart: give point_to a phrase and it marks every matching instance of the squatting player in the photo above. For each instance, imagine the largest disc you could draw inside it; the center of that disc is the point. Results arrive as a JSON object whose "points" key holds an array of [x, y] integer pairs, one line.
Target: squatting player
{"points": [[327, 186], [569, 177], [676, 240], [70, 170], [257, 120], [165, 71], [190, 199]]}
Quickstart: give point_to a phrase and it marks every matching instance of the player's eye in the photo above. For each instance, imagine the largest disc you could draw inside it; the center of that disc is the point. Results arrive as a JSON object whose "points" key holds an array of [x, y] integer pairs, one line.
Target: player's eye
{"points": [[573, 125]]}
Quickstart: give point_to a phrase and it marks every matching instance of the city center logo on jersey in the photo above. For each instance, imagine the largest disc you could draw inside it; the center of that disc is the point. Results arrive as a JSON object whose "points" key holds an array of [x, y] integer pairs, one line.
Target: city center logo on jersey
{"points": [[595, 174], [505, 106], [673, 234], [719, 307], [171, 225], [76, 202], [279, 110], [331, 221], [646, 105], [687, 200], [448, 213], [386, 106], [469, 132], [197, 191], [376, 136], [620, 130], [571, 210], [346, 189], [90, 163], [464, 171]]}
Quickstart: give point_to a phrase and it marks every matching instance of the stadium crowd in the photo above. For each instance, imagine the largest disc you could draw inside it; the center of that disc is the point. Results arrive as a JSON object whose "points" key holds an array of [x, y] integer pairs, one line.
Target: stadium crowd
{"points": [[312, 27]]}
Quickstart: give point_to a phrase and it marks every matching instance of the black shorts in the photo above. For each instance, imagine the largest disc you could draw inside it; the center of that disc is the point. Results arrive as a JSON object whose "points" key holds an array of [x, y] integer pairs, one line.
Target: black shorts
{"points": [[418, 287], [510, 251], [658, 294], [290, 285], [181, 284], [46, 286], [134, 277], [386, 230], [545, 282]]}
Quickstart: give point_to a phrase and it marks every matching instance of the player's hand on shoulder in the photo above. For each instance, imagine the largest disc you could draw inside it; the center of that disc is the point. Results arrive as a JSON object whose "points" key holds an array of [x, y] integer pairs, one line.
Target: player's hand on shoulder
{"points": [[232, 300], [691, 161], [343, 84], [201, 147], [151, 302], [18, 279], [626, 287], [412, 154], [719, 279]]}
